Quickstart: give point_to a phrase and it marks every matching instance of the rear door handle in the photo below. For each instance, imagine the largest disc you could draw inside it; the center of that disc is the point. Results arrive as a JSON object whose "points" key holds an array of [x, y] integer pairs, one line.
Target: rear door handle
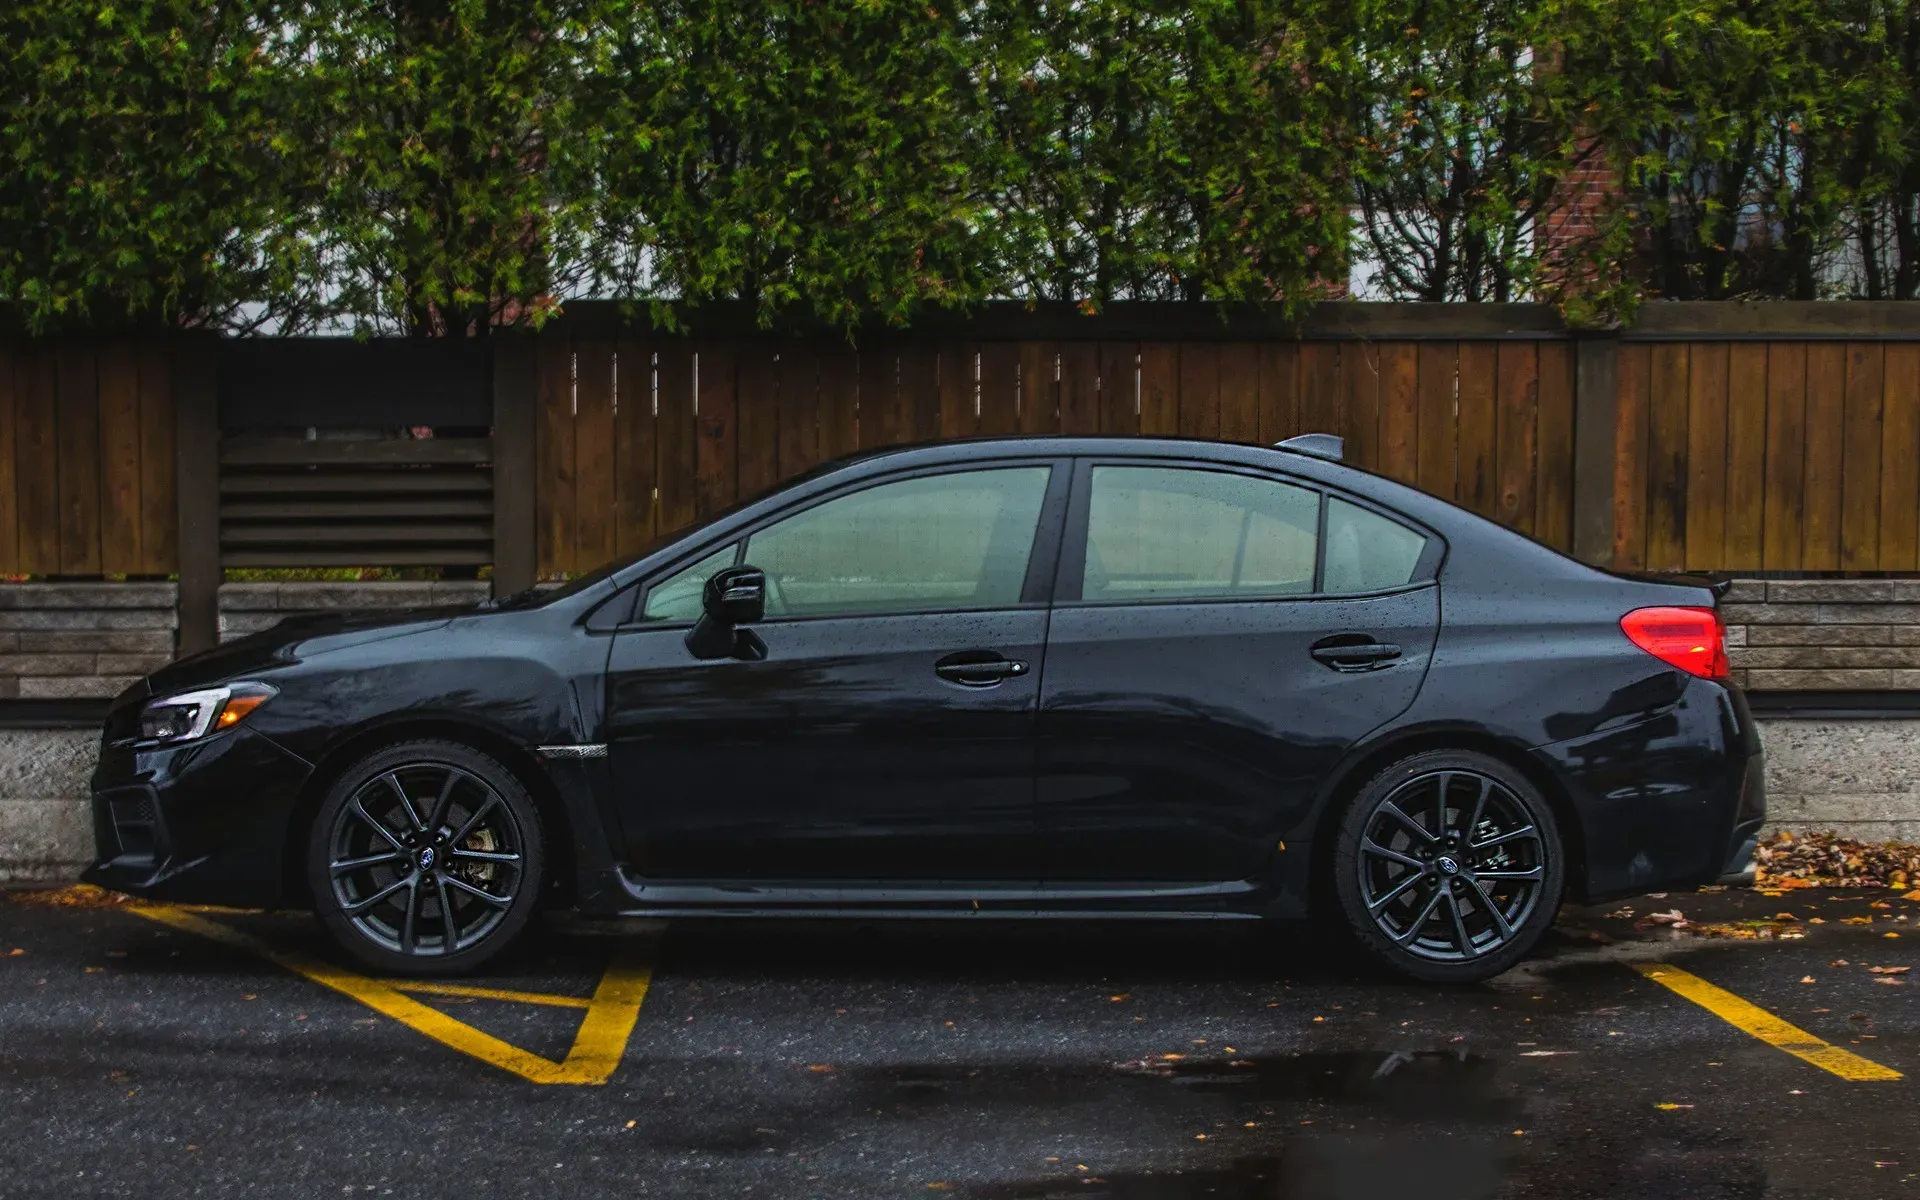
{"points": [[1344, 653], [979, 668]]}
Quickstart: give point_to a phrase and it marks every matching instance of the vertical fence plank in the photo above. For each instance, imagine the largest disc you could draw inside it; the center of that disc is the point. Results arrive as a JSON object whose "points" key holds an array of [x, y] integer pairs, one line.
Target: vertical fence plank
{"points": [[1240, 392], [1860, 457], [1437, 449], [1039, 405], [9, 495], [1279, 391], [1199, 390], [959, 395], [1553, 441], [196, 448], [1826, 424], [756, 407], [1400, 411], [799, 408], [1786, 455], [516, 474], [77, 427], [1355, 412], [999, 388], [1159, 389], [1078, 394], [673, 436], [159, 550], [1746, 453], [1321, 364], [119, 456], [633, 446], [1706, 455], [878, 423], [555, 456], [1667, 393], [716, 450], [1119, 387], [1630, 466], [1900, 460], [920, 391], [1479, 478], [1516, 411], [594, 500]]}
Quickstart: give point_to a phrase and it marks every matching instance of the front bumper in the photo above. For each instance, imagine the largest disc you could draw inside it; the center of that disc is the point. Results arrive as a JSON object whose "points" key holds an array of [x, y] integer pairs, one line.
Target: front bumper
{"points": [[204, 823]]}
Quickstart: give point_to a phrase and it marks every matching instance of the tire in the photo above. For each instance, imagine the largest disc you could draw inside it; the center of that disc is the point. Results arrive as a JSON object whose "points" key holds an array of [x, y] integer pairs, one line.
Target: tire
{"points": [[1487, 900], [384, 873]]}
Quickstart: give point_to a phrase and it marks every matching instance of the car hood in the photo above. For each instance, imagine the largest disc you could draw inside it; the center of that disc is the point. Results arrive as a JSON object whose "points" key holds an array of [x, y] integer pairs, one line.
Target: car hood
{"points": [[292, 640]]}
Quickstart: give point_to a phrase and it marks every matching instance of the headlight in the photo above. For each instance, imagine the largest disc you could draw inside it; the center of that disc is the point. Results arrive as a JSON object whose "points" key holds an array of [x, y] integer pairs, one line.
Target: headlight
{"points": [[191, 715]]}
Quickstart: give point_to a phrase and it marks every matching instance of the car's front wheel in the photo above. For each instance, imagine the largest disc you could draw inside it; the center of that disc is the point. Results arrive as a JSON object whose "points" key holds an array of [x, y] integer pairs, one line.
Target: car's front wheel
{"points": [[1448, 866], [425, 859]]}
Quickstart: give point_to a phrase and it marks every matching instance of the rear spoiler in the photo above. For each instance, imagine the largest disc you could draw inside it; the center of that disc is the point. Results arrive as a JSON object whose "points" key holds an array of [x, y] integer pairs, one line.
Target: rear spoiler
{"points": [[1719, 585]]}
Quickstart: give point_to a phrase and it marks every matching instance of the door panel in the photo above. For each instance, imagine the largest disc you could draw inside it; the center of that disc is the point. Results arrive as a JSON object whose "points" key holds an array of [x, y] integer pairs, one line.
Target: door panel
{"points": [[846, 754], [1177, 740]]}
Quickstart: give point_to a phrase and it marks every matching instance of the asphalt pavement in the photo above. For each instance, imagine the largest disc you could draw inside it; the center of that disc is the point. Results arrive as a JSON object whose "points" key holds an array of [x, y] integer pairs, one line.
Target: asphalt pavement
{"points": [[171, 1052]]}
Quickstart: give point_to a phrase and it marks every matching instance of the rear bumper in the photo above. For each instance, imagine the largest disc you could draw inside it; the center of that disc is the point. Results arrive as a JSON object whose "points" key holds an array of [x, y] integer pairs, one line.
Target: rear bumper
{"points": [[204, 823], [1673, 798]]}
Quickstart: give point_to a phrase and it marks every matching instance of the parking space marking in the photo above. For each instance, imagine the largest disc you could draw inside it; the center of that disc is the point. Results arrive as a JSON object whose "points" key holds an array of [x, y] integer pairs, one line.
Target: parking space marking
{"points": [[549, 999], [1758, 1022], [597, 1048]]}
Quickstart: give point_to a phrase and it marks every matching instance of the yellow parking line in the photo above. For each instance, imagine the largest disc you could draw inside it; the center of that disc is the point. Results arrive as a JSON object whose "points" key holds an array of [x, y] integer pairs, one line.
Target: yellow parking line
{"points": [[550, 999], [597, 1048], [1757, 1021]]}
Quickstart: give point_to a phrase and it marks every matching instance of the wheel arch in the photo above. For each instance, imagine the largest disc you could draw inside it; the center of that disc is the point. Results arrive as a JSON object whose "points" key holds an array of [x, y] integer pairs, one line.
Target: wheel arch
{"points": [[556, 826], [1369, 760]]}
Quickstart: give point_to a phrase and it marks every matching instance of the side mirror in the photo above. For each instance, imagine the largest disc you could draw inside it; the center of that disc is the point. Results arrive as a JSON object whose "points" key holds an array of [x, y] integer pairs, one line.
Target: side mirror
{"points": [[734, 596]]}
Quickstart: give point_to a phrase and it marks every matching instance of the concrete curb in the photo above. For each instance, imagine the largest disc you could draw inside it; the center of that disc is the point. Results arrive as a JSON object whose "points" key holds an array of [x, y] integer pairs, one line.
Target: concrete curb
{"points": [[1858, 778]]}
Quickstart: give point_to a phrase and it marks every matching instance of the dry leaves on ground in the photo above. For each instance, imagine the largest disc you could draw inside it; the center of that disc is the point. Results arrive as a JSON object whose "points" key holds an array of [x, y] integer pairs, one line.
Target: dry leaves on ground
{"points": [[79, 895], [1789, 860]]}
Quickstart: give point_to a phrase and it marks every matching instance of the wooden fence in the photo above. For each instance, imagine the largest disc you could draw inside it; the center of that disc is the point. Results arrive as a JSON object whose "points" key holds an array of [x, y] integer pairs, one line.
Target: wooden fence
{"points": [[87, 458], [1776, 438], [639, 437]]}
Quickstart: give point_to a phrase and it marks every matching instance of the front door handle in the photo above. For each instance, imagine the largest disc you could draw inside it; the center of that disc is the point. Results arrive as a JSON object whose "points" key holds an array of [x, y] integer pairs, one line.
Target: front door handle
{"points": [[979, 668], [1354, 652]]}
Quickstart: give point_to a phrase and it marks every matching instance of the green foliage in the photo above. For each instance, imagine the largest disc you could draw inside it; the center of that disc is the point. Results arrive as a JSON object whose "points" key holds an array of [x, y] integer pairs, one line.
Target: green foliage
{"points": [[1162, 149], [440, 167], [151, 165], [1470, 128], [821, 154]]}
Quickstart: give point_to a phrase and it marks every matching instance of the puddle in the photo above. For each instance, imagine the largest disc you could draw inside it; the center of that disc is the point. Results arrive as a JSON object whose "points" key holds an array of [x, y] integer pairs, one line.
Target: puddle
{"points": [[1402, 1083], [1325, 1168]]}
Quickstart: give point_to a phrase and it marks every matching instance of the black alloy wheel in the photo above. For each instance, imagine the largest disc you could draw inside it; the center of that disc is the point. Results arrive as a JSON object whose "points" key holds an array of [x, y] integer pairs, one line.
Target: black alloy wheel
{"points": [[1449, 866], [426, 859]]}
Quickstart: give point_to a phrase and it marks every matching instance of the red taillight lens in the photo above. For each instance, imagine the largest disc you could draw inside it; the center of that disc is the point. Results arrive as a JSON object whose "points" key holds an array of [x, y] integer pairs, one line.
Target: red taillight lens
{"points": [[1689, 638]]}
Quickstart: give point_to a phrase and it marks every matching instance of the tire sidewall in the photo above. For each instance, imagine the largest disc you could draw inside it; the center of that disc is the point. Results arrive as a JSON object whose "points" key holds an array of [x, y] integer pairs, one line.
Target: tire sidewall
{"points": [[533, 867], [1359, 923]]}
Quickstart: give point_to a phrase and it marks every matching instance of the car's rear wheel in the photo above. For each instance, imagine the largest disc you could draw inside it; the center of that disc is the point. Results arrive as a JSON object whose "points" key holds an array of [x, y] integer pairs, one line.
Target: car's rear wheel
{"points": [[426, 859], [1448, 866]]}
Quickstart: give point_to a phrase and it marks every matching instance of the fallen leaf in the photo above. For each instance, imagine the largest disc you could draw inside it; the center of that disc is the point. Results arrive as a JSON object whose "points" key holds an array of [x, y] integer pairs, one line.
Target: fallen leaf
{"points": [[1913, 896], [1669, 1107], [938, 1185], [94, 970], [1889, 934], [1114, 999], [1858, 921], [1894, 982], [1889, 970], [1806, 979], [821, 1067], [630, 1124], [16, 952]]}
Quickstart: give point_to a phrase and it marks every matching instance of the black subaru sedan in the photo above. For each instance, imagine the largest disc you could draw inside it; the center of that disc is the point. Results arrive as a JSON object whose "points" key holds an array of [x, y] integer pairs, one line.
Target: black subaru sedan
{"points": [[1080, 678]]}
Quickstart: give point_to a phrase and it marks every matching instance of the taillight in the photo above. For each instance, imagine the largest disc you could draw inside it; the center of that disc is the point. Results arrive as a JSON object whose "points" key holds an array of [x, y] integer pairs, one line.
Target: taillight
{"points": [[1689, 638]]}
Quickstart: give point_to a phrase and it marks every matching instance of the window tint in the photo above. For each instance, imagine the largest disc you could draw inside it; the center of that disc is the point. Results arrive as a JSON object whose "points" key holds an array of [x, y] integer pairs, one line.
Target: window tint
{"points": [[938, 542], [1170, 533], [677, 597], [1366, 551]]}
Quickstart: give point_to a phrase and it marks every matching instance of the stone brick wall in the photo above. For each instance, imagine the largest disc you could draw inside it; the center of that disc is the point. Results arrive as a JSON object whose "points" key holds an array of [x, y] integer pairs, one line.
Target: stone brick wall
{"points": [[250, 607], [46, 826], [1824, 634], [66, 641]]}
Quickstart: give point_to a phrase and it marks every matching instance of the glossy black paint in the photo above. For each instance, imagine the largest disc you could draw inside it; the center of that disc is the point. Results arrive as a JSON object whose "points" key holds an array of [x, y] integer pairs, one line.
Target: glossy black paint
{"points": [[1153, 760]]}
